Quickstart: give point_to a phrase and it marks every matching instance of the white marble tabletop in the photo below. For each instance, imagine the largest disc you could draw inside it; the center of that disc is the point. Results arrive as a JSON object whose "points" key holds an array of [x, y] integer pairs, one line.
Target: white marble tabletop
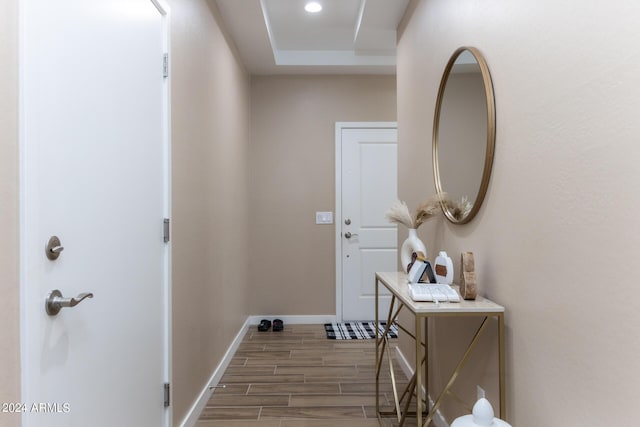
{"points": [[397, 284]]}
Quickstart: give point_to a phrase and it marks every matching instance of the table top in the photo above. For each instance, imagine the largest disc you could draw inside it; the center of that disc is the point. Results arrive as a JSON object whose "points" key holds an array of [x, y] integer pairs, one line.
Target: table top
{"points": [[397, 282]]}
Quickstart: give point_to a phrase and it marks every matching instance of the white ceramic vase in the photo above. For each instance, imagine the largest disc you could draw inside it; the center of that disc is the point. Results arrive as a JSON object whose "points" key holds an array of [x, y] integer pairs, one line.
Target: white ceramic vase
{"points": [[411, 245]]}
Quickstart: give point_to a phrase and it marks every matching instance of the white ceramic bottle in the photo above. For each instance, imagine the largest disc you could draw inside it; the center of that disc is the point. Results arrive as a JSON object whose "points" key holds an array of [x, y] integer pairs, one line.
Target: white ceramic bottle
{"points": [[444, 268]]}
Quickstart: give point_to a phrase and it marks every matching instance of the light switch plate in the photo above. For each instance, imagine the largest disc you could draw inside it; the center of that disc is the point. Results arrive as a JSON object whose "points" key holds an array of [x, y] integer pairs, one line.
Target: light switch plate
{"points": [[324, 217]]}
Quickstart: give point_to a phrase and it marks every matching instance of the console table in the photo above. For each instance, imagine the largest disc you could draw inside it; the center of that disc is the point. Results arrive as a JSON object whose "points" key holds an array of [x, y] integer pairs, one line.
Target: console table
{"points": [[396, 283]]}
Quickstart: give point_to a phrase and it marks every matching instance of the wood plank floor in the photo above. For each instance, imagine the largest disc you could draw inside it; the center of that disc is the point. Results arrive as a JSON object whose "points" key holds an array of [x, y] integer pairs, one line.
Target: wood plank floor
{"points": [[299, 378]]}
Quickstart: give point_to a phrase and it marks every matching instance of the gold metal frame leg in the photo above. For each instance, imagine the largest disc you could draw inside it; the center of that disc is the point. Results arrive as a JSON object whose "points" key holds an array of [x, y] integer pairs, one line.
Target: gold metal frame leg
{"points": [[377, 350], [409, 391], [390, 318], [457, 370], [426, 363], [418, 372], [394, 386], [501, 362]]}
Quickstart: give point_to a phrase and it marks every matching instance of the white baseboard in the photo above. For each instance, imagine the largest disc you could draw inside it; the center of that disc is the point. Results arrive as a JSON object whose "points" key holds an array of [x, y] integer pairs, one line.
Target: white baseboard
{"points": [[194, 413], [192, 416], [406, 367]]}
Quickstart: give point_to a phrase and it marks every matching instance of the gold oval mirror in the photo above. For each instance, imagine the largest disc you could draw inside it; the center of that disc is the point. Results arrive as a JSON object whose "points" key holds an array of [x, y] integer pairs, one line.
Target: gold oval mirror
{"points": [[464, 131]]}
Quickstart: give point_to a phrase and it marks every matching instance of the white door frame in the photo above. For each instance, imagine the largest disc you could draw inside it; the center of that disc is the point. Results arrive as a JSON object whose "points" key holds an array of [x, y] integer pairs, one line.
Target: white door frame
{"points": [[340, 126], [164, 10]]}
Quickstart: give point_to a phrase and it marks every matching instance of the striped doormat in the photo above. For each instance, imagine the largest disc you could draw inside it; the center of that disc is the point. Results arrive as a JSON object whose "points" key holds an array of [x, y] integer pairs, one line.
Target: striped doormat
{"points": [[357, 330]]}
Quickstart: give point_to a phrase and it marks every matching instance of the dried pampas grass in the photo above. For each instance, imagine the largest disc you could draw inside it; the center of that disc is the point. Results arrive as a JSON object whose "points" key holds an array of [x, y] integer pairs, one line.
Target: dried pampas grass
{"points": [[399, 213], [459, 209], [427, 209]]}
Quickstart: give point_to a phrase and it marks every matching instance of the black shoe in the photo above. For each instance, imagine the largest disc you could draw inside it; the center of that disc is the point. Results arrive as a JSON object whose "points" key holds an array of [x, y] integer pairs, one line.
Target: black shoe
{"points": [[278, 325], [264, 325]]}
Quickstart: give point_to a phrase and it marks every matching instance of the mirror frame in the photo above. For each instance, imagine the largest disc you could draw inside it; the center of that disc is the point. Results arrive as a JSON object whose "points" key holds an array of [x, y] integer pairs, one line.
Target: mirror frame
{"points": [[491, 134]]}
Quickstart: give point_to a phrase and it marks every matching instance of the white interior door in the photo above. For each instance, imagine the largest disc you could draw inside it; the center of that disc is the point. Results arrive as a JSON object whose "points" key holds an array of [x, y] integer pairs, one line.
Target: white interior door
{"points": [[94, 166], [368, 241]]}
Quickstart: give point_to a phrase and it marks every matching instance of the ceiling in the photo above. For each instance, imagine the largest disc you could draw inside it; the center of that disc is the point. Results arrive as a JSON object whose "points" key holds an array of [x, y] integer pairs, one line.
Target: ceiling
{"points": [[346, 37]]}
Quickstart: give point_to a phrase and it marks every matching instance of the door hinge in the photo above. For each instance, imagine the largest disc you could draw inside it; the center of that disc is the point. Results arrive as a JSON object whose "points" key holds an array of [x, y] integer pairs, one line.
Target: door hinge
{"points": [[167, 230], [167, 395], [165, 65]]}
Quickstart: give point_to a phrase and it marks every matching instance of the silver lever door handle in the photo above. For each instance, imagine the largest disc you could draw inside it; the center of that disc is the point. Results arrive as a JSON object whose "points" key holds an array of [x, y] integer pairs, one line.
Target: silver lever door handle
{"points": [[349, 235], [56, 302]]}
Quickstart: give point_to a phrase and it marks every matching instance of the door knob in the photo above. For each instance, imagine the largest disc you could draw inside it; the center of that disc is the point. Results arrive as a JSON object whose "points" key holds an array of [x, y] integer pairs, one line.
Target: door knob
{"points": [[56, 302], [349, 235]]}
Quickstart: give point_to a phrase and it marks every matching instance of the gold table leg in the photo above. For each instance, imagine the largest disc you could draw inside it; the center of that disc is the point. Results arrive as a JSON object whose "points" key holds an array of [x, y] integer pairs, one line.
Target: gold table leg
{"points": [[456, 372], [393, 381], [426, 363], [418, 371], [377, 352], [381, 345], [377, 356], [501, 362]]}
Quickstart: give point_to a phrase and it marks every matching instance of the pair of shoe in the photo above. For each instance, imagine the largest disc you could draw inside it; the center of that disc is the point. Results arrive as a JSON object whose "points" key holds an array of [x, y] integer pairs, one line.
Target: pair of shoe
{"points": [[265, 324]]}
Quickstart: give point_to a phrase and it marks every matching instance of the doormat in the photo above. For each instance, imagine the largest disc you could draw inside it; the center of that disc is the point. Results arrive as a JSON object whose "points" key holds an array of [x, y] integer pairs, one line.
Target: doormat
{"points": [[357, 330]]}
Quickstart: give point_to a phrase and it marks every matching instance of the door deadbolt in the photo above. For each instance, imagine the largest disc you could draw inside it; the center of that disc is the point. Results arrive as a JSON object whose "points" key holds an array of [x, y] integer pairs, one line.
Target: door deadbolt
{"points": [[347, 221], [53, 248]]}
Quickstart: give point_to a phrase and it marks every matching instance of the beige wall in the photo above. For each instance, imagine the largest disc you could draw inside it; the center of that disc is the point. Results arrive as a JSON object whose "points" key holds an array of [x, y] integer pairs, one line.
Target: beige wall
{"points": [[293, 175], [210, 133], [557, 227], [9, 285]]}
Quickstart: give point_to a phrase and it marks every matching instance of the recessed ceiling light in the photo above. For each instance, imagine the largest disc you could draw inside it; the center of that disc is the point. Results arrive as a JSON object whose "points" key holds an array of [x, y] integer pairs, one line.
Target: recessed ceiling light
{"points": [[313, 7]]}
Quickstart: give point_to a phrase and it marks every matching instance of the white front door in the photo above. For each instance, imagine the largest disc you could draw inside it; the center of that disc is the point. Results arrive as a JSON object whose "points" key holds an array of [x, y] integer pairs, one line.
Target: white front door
{"points": [[368, 242], [94, 167]]}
